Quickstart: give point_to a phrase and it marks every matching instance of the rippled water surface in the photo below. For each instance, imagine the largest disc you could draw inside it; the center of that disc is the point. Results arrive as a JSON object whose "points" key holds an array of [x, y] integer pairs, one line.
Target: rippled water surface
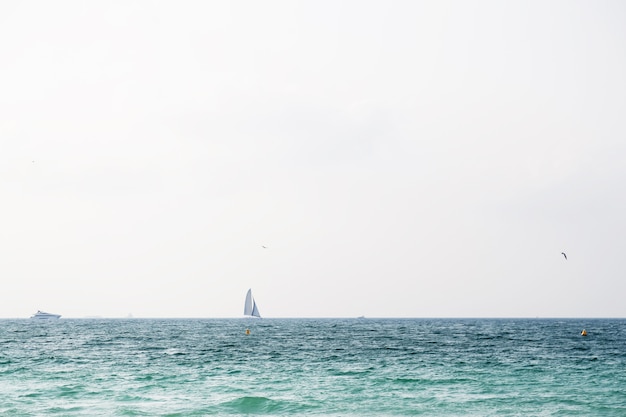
{"points": [[328, 367]]}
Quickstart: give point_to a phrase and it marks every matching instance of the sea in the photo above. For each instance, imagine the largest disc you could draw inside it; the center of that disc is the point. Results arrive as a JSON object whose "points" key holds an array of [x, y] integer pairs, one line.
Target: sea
{"points": [[313, 367]]}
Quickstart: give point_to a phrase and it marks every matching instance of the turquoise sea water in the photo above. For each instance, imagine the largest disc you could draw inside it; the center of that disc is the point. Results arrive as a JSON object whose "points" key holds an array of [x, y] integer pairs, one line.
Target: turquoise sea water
{"points": [[327, 367]]}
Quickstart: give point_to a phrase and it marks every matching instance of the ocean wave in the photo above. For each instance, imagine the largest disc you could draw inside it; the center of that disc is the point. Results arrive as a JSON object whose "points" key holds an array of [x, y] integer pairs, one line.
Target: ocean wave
{"points": [[262, 406]]}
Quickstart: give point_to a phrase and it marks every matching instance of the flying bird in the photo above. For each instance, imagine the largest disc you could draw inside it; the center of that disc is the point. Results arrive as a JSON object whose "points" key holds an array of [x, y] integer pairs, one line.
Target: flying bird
{"points": [[564, 255]]}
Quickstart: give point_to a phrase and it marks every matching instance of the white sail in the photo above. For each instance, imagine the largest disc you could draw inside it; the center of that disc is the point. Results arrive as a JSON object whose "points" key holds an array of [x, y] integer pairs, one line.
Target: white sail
{"points": [[247, 308], [250, 308], [255, 310]]}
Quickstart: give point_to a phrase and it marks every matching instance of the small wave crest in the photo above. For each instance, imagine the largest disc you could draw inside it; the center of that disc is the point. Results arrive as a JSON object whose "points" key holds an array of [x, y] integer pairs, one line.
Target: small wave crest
{"points": [[261, 405]]}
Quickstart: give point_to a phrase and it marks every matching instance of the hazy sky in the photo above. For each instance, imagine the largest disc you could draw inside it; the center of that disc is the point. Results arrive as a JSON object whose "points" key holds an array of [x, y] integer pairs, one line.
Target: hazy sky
{"points": [[397, 158]]}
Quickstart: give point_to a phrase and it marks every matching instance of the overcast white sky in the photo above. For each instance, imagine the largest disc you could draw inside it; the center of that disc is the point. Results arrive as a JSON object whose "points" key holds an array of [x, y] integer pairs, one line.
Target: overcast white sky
{"points": [[397, 158]]}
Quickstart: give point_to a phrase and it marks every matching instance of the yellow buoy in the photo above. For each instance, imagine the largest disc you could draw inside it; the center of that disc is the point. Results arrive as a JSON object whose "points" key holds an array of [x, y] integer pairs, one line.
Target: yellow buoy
{"points": [[583, 333], [247, 331]]}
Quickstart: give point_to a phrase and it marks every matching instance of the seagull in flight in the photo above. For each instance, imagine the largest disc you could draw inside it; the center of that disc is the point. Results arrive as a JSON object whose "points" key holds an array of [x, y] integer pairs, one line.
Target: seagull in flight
{"points": [[564, 255]]}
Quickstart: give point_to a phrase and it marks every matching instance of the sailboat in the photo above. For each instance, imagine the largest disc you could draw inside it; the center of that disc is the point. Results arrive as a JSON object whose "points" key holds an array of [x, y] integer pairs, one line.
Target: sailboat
{"points": [[250, 309]]}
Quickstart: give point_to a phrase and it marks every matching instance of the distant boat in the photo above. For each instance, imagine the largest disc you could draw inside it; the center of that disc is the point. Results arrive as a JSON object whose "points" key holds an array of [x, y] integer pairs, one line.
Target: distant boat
{"points": [[250, 309], [42, 315]]}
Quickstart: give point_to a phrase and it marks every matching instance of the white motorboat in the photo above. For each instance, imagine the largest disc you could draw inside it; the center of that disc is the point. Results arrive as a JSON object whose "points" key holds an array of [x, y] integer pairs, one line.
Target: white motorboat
{"points": [[42, 315]]}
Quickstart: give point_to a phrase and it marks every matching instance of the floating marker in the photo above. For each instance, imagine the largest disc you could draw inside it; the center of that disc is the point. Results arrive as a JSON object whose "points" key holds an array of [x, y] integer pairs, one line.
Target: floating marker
{"points": [[247, 331]]}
